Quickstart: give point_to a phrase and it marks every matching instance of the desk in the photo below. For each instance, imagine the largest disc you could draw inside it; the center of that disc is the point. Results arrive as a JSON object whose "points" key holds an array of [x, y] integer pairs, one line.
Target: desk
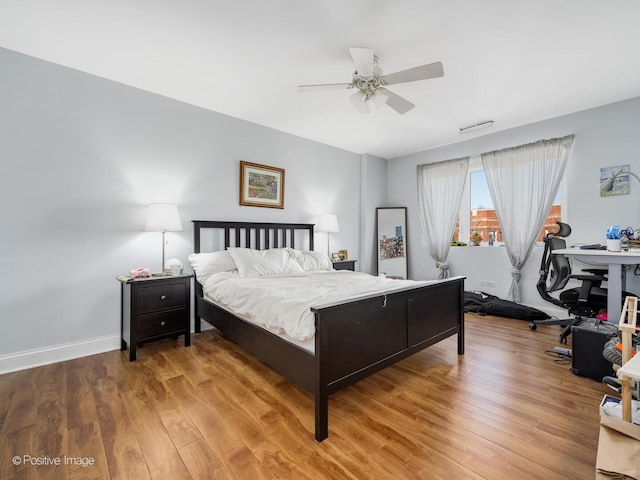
{"points": [[614, 262]]}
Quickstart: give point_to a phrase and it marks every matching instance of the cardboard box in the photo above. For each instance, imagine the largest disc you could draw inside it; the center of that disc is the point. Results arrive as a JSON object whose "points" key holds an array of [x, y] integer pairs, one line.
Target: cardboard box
{"points": [[618, 447]]}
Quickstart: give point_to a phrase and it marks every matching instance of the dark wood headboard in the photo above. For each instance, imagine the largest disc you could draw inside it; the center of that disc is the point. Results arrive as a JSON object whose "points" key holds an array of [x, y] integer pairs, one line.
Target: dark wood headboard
{"points": [[256, 235]]}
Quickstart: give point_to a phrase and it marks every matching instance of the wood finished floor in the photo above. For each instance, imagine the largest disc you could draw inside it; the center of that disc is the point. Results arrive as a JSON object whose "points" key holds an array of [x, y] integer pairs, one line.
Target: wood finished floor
{"points": [[503, 411]]}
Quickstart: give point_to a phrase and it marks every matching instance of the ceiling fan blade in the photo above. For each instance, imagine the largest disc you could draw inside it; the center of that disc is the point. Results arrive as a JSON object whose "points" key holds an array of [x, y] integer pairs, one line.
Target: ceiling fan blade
{"points": [[362, 61], [323, 86], [396, 102], [433, 70]]}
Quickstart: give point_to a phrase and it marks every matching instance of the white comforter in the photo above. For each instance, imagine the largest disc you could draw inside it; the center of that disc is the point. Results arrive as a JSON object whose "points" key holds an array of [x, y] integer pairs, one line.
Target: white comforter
{"points": [[281, 303]]}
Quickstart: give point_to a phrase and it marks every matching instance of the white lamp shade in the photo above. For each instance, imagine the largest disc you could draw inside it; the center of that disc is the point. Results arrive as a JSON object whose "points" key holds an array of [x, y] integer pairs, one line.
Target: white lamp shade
{"points": [[328, 224], [162, 217]]}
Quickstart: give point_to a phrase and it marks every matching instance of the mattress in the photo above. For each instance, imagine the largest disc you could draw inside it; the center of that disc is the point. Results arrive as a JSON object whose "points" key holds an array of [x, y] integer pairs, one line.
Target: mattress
{"points": [[282, 303]]}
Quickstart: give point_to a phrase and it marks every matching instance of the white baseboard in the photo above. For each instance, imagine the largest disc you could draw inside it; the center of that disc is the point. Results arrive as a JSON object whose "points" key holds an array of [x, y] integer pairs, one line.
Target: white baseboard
{"points": [[57, 353], [14, 362]]}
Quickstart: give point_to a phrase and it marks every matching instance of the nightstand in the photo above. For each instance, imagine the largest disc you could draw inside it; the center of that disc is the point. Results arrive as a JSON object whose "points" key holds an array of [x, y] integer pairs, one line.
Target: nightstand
{"points": [[154, 308], [344, 265]]}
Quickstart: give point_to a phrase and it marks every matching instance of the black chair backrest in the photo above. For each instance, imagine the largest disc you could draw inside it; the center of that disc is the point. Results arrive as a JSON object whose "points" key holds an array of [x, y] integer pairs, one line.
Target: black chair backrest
{"points": [[554, 269], [560, 266]]}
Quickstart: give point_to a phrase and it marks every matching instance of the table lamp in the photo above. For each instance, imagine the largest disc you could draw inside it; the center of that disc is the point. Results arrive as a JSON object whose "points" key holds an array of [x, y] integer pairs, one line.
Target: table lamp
{"points": [[162, 217], [328, 224]]}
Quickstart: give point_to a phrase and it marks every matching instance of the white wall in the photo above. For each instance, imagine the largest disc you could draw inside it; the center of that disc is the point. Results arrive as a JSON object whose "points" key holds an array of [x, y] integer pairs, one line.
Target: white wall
{"points": [[373, 180], [604, 136], [82, 157]]}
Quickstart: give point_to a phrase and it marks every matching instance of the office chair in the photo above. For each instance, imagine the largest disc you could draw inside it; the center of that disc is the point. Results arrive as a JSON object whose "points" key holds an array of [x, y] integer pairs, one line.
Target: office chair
{"points": [[555, 272]]}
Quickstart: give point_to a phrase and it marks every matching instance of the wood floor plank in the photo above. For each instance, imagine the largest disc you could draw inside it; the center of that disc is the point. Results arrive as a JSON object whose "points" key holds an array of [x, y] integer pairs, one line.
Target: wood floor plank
{"points": [[6, 385], [160, 454], [224, 440], [86, 458], [202, 462], [506, 410], [271, 431], [122, 450], [22, 408], [13, 448]]}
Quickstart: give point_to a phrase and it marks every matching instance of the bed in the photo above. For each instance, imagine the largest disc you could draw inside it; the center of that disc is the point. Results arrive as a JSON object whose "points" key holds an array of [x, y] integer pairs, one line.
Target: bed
{"points": [[353, 339]]}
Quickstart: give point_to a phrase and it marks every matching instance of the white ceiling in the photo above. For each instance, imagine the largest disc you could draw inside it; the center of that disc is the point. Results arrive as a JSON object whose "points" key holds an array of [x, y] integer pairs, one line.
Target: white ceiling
{"points": [[511, 61]]}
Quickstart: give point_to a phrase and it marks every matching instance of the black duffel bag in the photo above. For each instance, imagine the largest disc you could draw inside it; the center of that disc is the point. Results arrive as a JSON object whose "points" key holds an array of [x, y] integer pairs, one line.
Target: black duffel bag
{"points": [[485, 304]]}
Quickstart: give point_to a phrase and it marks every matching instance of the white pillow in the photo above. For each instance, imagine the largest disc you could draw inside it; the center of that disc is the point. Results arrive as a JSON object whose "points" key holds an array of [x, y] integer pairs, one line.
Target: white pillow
{"points": [[256, 263], [206, 264], [311, 261]]}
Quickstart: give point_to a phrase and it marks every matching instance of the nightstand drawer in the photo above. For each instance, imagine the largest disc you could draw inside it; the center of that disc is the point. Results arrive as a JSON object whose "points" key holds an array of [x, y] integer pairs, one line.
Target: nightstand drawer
{"points": [[344, 265], [155, 324], [160, 297]]}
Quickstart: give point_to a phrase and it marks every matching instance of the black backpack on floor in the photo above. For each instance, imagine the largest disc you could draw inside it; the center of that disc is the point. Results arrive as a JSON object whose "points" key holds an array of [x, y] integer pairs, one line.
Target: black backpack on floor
{"points": [[485, 304]]}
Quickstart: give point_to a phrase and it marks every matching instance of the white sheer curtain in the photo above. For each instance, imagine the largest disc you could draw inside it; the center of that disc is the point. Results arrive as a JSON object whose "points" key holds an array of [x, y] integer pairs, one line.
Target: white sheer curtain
{"points": [[523, 182], [440, 188]]}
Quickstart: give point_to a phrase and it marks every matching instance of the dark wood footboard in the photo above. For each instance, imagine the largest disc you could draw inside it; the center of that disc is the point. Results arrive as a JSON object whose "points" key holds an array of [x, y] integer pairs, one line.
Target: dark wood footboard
{"points": [[356, 339]]}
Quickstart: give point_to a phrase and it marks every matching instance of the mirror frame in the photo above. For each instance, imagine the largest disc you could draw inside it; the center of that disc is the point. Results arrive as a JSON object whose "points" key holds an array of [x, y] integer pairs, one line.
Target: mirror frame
{"points": [[391, 255]]}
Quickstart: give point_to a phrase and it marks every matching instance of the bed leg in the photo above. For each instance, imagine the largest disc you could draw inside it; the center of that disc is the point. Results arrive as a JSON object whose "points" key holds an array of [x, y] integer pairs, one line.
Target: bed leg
{"points": [[322, 417], [461, 338], [197, 324]]}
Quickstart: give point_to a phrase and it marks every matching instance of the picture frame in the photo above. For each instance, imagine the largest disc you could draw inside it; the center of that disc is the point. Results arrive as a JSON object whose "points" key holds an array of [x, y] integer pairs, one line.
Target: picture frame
{"points": [[344, 254], [391, 244], [335, 256], [614, 180], [261, 185]]}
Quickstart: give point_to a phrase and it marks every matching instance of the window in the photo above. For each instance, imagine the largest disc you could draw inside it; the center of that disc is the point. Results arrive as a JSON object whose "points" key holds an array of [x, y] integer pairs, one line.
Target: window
{"points": [[478, 214]]}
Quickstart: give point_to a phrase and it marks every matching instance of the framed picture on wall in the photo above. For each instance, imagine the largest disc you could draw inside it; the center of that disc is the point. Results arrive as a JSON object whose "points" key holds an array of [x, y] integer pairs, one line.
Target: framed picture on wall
{"points": [[614, 180], [261, 185]]}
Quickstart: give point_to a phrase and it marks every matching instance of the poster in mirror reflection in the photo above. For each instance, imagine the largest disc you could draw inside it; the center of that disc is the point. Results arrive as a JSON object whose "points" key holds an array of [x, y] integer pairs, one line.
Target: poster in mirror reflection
{"points": [[391, 235]]}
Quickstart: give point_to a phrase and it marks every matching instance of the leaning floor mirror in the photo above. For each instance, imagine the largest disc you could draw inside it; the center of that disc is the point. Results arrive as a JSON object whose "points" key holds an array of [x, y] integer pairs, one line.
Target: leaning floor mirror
{"points": [[391, 234]]}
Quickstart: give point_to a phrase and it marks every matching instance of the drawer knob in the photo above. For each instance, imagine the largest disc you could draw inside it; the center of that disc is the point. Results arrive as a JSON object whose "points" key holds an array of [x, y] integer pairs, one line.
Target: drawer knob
{"points": [[162, 324], [163, 297]]}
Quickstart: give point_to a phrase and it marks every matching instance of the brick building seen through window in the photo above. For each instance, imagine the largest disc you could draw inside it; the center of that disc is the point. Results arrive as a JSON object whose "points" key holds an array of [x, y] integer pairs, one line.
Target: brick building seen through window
{"points": [[485, 222]]}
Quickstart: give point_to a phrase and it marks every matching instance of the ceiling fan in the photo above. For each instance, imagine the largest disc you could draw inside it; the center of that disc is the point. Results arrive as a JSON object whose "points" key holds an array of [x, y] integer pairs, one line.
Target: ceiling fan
{"points": [[370, 82]]}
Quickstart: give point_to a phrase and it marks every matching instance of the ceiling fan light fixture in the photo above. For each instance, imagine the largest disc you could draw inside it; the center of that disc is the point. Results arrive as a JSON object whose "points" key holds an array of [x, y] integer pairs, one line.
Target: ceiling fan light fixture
{"points": [[357, 99], [380, 99], [365, 107]]}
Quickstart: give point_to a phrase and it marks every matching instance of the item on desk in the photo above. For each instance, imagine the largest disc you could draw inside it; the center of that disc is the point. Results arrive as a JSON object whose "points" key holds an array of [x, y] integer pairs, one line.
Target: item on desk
{"points": [[630, 233], [614, 245], [595, 246], [632, 238], [614, 233], [614, 239]]}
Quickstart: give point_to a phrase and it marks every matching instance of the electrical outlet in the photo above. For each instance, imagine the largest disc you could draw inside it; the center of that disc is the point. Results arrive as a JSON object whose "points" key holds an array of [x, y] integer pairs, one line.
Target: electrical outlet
{"points": [[487, 283]]}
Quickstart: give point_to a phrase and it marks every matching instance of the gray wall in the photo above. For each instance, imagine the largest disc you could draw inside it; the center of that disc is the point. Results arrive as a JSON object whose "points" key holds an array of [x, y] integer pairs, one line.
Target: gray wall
{"points": [[82, 157], [604, 136]]}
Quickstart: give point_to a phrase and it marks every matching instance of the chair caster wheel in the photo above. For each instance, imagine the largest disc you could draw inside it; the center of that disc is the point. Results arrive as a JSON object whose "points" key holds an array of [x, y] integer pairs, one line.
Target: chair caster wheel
{"points": [[532, 326], [562, 340]]}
